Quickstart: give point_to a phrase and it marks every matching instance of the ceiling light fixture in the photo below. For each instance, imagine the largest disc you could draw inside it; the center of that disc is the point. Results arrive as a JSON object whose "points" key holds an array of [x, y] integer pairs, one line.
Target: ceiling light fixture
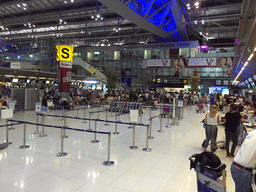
{"points": [[250, 57], [65, 2], [18, 5], [195, 22], [24, 4]]}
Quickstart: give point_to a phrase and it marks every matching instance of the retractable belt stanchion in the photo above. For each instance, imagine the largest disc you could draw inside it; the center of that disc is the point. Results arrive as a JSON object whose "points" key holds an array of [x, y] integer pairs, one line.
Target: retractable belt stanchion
{"points": [[37, 122], [7, 133], [84, 117], [62, 143], [168, 121], [150, 128], [106, 124], [161, 122], [43, 135], [65, 125], [147, 149], [95, 129], [141, 118], [77, 113], [115, 125], [62, 113], [11, 128], [24, 146], [89, 122], [108, 162], [133, 140]]}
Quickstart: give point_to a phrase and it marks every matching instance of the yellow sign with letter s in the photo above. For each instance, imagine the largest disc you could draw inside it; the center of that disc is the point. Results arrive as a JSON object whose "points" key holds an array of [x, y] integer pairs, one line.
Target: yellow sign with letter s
{"points": [[64, 53]]}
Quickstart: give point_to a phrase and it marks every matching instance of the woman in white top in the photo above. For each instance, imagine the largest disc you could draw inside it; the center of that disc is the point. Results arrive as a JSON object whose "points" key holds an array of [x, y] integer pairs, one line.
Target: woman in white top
{"points": [[211, 119]]}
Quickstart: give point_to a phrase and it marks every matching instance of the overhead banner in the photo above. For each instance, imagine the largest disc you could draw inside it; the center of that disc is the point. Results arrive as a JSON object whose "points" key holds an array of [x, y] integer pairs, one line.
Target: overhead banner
{"points": [[164, 63], [172, 45], [64, 61], [225, 62]]}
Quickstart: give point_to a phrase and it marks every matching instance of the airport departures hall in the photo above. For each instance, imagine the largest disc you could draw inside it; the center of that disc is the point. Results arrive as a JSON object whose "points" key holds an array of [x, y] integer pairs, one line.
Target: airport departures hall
{"points": [[127, 95]]}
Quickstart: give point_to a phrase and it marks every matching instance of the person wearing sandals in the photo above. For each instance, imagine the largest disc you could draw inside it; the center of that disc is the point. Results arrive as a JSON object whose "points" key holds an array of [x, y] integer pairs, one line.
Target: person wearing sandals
{"points": [[211, 120], [231, 121]]}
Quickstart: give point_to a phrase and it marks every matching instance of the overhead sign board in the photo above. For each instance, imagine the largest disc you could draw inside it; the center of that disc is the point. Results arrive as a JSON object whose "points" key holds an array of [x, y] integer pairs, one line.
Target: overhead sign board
{"points": [[64, 53], [172, 45]]}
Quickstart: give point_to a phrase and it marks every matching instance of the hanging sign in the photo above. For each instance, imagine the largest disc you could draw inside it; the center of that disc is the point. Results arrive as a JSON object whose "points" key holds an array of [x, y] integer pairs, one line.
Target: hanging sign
{"points": [[64, 53]]}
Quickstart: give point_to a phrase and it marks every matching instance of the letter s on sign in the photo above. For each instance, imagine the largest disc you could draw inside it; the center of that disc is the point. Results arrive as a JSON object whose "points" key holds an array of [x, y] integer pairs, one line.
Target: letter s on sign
{"points": [[65, 53]]}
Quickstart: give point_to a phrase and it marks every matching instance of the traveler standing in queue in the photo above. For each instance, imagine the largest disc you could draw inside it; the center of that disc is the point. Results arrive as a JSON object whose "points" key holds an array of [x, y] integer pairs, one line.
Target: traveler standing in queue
{"points": [[231, 120], [211, 120], [244, 163]]}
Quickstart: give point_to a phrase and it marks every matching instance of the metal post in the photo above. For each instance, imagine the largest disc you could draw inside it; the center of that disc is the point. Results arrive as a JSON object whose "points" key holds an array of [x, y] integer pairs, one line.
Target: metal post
{"points": [[150, 128], [108, 162], [147, 149], [7, 133], [115, 125], [161, 121], [62, 113], [24, 146], [106, 124], [65, 125], [11, 128], [62, 143], [77, 113], [140, 118], [37, 122], [43, 135], [84, 117], [168, 121], [95, 129], [133, 139], [89, 122]]}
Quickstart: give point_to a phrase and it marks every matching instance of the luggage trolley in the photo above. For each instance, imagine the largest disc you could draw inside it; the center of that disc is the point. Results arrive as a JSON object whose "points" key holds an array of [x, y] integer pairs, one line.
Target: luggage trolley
{"points": [[209, 180]]}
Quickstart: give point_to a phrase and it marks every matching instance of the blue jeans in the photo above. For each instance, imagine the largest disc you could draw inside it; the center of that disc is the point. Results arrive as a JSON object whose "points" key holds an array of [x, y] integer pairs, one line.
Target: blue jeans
{"points": [[211, 134], [242, 178]]}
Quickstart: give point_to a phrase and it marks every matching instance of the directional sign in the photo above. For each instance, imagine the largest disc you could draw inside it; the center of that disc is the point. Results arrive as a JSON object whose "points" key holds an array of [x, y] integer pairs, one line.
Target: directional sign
{"points": [[64, 53]]}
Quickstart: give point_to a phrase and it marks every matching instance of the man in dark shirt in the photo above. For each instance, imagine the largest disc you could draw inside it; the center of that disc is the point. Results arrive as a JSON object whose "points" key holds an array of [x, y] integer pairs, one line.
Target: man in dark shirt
{"points": [[231, 119]]}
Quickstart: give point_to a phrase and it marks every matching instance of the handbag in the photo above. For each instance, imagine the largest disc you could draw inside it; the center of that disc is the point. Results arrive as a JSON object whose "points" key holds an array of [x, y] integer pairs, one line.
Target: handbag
{"points": [[205, 125]]}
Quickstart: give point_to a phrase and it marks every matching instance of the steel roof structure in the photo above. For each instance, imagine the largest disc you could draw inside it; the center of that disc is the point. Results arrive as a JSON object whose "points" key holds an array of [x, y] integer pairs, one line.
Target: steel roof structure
{"points": [[24, 24]]}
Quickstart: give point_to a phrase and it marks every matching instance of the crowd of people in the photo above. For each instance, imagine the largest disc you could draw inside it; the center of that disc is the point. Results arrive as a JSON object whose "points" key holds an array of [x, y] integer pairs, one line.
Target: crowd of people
{"points": [[237, 111]]}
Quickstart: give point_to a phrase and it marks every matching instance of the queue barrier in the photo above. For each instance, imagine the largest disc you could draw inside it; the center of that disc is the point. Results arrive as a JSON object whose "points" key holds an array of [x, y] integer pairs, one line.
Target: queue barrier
{"points": [[138, 124], [62, 153]]}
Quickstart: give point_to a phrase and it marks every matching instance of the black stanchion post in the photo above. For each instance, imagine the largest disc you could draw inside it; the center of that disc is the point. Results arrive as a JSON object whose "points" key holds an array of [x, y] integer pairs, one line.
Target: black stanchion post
{"points": [[150, 128], [108, 162], [161, 122], [116, 125], [106, 124], [141, 118], [62, 143], [43, 135], [133, 139], [37, 122], [95, 129], [147, 136], [24, 146], [77, 111], [7, 133]]}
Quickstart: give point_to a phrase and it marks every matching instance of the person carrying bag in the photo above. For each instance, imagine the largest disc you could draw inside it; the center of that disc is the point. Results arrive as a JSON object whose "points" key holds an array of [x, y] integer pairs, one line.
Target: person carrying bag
{"points": [[210, 123]]}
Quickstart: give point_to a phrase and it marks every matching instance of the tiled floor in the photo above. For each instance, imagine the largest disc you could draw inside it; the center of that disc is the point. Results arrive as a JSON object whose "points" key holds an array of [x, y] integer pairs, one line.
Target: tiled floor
{"points": [[166, 168]]}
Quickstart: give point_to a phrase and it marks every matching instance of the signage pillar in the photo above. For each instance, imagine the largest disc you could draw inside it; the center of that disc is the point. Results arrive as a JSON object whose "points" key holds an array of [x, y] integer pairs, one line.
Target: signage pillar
{"points": [[64, 61]]}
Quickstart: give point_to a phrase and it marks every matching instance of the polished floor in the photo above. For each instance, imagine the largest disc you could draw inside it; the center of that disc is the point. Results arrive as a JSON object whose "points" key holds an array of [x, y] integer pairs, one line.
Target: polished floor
{"points": [[166, 168]]}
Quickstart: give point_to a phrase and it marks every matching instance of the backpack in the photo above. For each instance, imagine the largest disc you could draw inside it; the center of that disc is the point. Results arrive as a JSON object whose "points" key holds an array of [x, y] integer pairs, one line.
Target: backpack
{"points": [[207, 160]]}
